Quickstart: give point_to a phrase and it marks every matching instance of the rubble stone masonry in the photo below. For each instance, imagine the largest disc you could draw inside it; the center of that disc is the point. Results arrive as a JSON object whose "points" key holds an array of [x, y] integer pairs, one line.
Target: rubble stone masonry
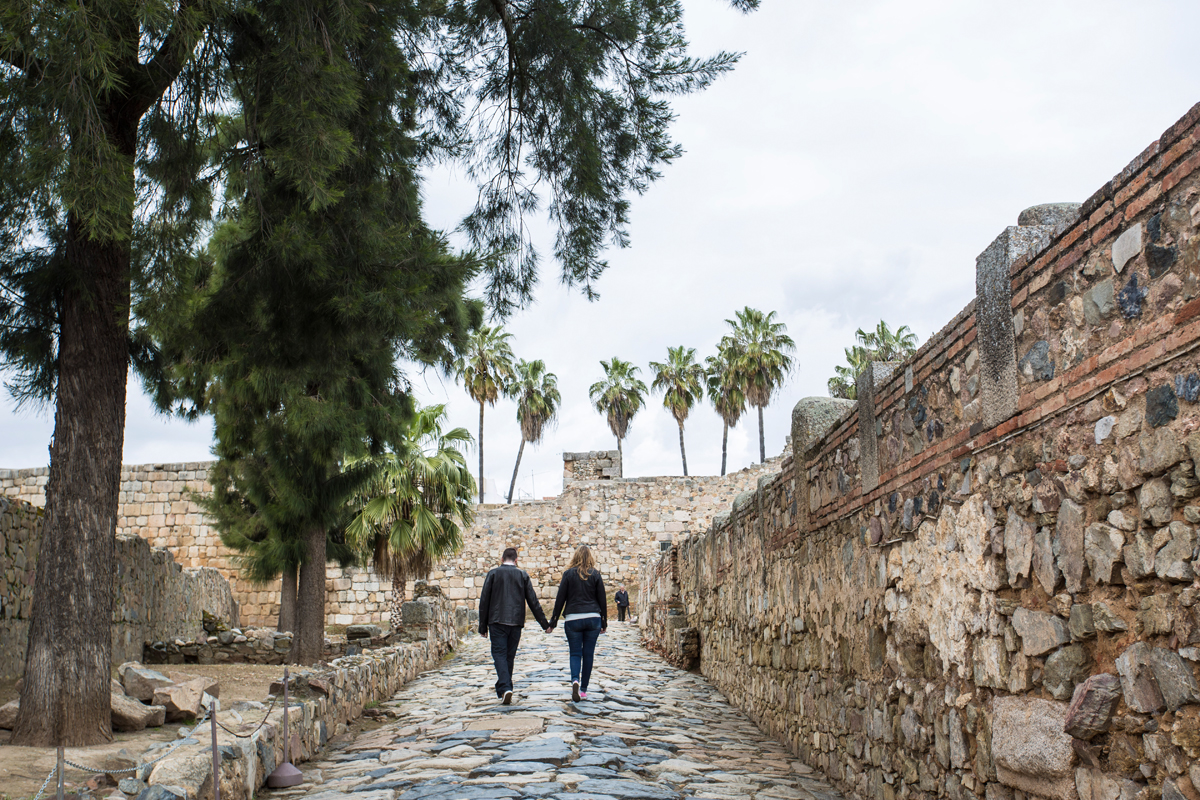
{"points": [[991, 591], [623, 519], [154, 598]]}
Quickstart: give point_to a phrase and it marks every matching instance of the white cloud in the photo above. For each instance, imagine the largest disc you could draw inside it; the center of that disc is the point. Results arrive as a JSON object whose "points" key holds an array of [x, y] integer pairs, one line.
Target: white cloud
{"points": [[850, 169]]}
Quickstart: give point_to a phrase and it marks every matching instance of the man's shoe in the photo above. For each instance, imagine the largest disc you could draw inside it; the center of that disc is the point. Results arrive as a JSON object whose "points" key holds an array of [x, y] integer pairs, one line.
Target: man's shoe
{"points": [[507, 701], [575, 691]]}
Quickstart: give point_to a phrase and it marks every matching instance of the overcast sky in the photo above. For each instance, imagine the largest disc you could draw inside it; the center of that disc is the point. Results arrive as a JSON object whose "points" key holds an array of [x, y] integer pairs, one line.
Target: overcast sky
{"points": [[850, 169]]}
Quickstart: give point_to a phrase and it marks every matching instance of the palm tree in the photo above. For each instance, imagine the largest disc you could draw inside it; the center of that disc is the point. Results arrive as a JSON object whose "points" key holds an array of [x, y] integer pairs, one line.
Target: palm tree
{"points": [[537, 403], [679, 381], [844, 384], [619, 396], [886, 344], [764, 360], [412, 514], [725, 389], [485, 370], [881, 344]]}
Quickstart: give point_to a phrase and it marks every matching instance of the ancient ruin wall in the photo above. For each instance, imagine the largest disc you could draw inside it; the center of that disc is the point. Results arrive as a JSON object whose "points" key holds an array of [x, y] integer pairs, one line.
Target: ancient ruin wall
{"points": [[625, 519], [980, 580], [155, 599], [622, 520]]}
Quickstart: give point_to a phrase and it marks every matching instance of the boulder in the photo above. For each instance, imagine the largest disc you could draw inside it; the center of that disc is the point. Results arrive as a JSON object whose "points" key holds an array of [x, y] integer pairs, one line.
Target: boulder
{"points": [[130, 715], [1173, 561], [1029, 748], [208, 685], [8, 714], [1092, 705], [1174, 677], [141, 682], [181, 701]]}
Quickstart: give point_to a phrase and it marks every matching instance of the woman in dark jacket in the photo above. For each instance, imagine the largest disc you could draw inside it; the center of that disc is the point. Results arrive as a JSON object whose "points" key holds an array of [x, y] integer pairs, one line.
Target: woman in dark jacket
{"points": [[581, 596]]}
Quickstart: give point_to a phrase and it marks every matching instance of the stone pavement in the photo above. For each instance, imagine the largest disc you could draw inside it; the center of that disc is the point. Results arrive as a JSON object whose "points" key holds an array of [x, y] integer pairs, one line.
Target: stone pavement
{"points": [[647, 731]]}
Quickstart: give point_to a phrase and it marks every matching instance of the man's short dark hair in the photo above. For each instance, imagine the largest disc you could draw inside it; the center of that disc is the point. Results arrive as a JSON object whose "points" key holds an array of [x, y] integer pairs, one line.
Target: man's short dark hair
{"points": [[510, 554]]}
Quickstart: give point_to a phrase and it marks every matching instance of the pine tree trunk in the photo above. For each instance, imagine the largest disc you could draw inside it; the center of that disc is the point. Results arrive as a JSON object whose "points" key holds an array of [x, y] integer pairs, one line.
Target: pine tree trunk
{"points": [[512, 486], [287, 600], [724, 446], [682, 450], [309, 644], [762, 442], [65, 696], [481, 452]]}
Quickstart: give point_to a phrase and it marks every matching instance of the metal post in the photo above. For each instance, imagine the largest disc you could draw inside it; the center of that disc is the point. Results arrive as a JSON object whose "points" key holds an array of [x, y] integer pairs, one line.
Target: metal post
{"points": [[61, 765], [212, 712], [287, 732], [285, 774]]}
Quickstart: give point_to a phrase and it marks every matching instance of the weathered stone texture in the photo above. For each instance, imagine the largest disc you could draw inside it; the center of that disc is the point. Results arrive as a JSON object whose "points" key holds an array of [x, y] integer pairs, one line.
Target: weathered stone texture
{"points": [[153, 598], [916, 639]]}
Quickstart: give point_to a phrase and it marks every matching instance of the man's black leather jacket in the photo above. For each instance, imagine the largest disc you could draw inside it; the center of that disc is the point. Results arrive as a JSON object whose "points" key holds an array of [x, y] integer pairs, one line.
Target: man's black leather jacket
{"points": [[506, 590]]}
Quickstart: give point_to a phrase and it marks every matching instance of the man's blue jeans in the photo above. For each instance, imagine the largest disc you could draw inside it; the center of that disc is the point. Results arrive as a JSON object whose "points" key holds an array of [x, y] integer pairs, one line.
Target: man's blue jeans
{"points": [[581, 640], [505, 639]]}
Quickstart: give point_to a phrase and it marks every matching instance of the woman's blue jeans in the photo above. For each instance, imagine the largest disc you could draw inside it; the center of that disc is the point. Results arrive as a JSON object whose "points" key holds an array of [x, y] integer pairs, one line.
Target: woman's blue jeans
{"points": [[581, 640]]}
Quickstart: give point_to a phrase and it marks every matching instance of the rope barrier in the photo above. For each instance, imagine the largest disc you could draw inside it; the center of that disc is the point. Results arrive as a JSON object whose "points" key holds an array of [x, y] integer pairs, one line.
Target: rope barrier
{"points": [[167, 752]]}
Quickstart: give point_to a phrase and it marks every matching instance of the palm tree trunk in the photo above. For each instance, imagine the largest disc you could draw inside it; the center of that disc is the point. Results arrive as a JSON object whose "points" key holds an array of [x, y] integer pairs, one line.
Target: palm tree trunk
{"points": [[682, 450], [397, 599], [762, 442], [513, 485], [481, 452], [724, 446], [621, 454], [287, 600], [309, 643]]}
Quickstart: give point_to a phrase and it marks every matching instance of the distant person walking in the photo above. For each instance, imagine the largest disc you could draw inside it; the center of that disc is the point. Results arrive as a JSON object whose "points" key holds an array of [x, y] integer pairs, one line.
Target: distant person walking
{"points": [[581, 596], [506, 591], [622, 598]]}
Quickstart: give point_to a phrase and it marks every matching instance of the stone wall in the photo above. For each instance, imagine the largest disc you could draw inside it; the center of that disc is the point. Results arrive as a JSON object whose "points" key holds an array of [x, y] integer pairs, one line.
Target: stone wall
{"points": [[154, 597], [596, 465], [324, 702], [623, 518], [979, 580]]}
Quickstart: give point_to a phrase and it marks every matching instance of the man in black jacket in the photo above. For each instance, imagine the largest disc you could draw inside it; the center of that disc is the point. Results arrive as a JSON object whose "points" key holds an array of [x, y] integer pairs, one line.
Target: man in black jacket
{"points": [[506, 591], [622, 598]]}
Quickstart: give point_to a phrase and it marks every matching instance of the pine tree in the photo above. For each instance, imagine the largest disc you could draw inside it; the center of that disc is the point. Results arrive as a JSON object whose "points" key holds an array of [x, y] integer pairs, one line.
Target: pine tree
{"points": [[115, 135], [679, 379], [323, 277]]}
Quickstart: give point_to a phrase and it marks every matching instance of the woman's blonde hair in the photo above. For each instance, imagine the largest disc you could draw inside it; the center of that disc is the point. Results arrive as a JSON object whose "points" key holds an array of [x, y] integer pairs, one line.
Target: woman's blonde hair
{"points": [[583, 561]]}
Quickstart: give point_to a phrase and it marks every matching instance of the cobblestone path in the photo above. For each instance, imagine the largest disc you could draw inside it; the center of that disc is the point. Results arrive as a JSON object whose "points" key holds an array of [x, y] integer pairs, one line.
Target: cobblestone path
{"points": [[647, 731]]}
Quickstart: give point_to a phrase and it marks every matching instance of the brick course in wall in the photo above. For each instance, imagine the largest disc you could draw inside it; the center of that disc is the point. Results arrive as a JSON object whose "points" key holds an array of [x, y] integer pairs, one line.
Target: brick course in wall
{"points": [[1008, 606]]}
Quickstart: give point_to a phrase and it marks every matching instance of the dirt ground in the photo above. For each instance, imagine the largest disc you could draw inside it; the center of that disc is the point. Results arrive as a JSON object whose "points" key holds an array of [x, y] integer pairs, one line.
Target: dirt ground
{"points": [[22, 769]]}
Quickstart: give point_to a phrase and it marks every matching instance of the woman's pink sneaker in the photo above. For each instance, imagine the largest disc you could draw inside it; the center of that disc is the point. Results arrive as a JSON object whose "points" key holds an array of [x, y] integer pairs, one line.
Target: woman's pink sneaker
{"points": [[583, 695]]}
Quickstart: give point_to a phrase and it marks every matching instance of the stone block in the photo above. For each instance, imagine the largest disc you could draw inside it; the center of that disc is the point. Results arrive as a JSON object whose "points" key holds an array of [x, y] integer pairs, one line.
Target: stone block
{"points": [[8, 715], [1064, 668], [1092, 705], [1138, 683], [1102, 549], [1030, 750], [1093, 784], [416, 613], [1127, 246], [128, 714], [1040, 632], [141, 682]]}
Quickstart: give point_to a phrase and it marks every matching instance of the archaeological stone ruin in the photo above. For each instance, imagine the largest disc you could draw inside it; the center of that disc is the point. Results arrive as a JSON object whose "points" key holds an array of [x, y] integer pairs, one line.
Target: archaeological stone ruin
{"points": [[979, 580]]}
